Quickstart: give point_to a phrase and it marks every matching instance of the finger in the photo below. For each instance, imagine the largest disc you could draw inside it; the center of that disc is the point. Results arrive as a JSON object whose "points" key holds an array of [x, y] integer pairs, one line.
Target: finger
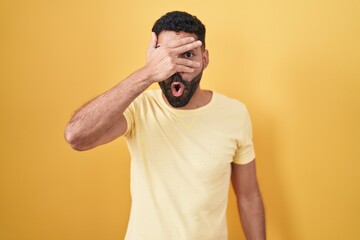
{"points": [[179, 42], [153, 41], [187, 47], [184, 69], [187, 62], [152, 45]]}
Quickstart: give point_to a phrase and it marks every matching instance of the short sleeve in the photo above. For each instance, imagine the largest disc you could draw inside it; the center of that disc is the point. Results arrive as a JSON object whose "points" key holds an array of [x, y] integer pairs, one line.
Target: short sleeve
{"points": [[245, 152], [129, 115]]}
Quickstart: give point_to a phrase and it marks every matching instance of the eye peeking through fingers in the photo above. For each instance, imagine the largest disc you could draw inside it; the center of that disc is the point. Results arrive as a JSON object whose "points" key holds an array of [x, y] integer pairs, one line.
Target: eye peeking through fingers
{"points": [[188, 55]]}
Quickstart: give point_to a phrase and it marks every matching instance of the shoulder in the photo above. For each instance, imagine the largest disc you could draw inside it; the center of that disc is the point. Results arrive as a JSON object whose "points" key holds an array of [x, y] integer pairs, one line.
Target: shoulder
{"points": [[148, 96], [229, 104]]}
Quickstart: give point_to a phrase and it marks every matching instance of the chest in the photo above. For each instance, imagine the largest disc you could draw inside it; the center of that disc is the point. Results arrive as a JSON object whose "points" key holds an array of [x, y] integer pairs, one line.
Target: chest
{"points": [[202, 142]]}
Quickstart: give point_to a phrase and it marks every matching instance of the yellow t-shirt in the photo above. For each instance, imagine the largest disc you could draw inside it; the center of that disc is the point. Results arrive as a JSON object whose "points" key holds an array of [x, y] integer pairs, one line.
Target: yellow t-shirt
{"points": [[181, 166]]}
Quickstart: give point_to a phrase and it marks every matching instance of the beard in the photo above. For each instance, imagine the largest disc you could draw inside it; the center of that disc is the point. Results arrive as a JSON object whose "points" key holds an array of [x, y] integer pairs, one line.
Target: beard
{"points": [[189, 88]]}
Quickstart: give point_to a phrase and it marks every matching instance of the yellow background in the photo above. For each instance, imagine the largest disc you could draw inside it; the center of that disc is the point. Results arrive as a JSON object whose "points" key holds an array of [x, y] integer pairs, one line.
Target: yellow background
{"points": [[295, 64]]}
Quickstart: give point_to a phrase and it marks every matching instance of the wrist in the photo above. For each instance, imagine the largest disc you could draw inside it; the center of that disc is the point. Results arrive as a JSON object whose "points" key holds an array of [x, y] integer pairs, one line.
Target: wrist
{"points": [[146, 75], [141, 78]]}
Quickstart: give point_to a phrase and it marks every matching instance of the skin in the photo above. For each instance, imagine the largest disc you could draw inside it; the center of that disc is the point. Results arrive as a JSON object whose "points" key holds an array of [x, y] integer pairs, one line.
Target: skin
{"points": [[201, 97], [101, 120], [249, 201]]}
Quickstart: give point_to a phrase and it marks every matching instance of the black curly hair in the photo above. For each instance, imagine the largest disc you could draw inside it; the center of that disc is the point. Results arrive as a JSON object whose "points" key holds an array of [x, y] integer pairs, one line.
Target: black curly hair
{"points": [[178, 21]]}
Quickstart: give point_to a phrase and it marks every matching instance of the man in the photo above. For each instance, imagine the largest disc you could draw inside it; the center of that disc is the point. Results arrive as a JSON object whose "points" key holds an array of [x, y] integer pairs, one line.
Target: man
{"points": [[186, 143]]}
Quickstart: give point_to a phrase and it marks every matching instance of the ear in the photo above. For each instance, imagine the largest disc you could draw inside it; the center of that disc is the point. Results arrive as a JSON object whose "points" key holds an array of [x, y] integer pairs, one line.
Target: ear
{"points": [[205, 58]]}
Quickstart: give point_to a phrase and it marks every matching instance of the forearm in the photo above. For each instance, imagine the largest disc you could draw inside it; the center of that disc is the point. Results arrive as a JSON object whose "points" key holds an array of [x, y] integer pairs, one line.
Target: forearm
{"points": [[101, 120], [93, 119], [251, 210]]}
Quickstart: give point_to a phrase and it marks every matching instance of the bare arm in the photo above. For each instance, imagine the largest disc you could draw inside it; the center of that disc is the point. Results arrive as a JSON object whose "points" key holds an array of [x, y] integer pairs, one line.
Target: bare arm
{"points": [[249, 201], [102, 120]]}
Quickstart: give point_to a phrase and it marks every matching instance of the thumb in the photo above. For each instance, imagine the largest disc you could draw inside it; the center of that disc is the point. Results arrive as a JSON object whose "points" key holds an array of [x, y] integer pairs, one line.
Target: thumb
{"points": [[153, 41], [152, 45]]}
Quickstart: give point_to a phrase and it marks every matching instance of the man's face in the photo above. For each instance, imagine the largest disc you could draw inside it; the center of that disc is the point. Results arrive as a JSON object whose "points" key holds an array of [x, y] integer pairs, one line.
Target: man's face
{"points": [[180, 87]]}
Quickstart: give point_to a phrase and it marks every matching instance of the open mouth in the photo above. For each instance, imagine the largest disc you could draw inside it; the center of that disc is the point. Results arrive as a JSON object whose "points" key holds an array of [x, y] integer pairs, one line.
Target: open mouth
{"points": [[177, 89]]}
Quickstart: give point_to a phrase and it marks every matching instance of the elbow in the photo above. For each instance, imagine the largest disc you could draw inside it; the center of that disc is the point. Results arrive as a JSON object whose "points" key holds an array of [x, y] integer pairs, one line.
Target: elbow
{"points": [[74, 139]]}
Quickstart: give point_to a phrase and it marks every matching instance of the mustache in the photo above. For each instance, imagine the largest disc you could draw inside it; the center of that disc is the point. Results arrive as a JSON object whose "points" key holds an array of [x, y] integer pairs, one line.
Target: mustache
{"points": [[176, 78]]}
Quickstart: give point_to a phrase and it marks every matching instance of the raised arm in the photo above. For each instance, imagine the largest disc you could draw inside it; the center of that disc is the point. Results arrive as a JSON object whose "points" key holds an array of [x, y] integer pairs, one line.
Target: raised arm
{"points": [[101, 120], [249, 201]]}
